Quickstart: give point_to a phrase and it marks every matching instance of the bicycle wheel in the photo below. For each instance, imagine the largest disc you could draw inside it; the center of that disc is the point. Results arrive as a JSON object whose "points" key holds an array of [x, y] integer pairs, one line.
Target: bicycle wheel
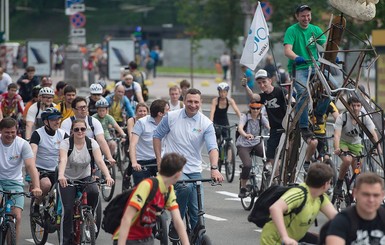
{"points": [[88, 235], [230, 161], [160, 228], [205, 240], [38, 231], [127, 180], [248, 201], [98, 216], [107, 191], [9, 234], [121, 158]]}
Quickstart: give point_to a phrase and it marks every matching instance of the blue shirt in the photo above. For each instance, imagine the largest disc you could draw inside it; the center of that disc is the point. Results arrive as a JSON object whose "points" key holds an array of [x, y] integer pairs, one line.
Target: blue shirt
{"points": [[186, 135]]}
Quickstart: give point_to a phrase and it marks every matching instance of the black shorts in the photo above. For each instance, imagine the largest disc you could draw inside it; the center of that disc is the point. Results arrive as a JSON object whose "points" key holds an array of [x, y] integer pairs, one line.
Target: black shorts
{"points": [[273, 142], [322, 147], [51, 175]]}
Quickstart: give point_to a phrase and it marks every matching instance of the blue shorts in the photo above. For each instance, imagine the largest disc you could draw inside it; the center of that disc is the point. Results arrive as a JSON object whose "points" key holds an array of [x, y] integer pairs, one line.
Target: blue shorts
{"points": [[14, 186]]}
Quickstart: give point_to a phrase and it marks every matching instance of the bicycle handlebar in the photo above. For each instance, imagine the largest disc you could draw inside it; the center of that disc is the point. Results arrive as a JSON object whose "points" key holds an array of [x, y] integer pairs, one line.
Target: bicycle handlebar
{"points": [[213, 182], [225, 127], [10, 193], [80, 182]]}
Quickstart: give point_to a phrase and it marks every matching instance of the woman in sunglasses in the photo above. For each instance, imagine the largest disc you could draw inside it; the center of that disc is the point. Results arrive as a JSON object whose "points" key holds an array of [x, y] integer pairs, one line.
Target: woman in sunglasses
{"points": [[76, 166], [250, 125]]}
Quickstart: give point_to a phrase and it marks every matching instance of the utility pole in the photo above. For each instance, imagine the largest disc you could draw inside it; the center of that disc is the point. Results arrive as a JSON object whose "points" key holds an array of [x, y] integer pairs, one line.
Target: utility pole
{"points": [[4, 19]]}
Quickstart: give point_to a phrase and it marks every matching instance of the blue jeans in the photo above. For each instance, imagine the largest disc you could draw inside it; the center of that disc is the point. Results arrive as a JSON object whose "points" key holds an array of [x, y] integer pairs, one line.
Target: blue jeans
{"points": [[302, 95], [186, 197], [141, 175]]}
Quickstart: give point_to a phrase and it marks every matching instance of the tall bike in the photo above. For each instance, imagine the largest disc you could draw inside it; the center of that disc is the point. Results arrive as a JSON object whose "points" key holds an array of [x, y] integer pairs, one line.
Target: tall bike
{"points": [[259, 177], [84, 224], [226, 152], [7, 218], [197, 235], [45, 222]]}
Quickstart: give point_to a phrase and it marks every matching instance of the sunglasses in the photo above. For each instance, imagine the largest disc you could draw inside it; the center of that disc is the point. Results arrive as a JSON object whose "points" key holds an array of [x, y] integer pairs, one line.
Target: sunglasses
{"points": [[79, 129], [255, 108], [47, 97]]}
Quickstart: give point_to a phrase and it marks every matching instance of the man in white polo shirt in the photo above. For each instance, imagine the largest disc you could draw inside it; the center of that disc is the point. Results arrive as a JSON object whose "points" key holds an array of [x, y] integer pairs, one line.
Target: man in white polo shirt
{"points": [[184, 132]]}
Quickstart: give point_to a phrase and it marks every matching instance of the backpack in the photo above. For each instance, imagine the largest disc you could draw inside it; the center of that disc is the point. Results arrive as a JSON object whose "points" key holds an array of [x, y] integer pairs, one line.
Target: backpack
{"points": [[115, 209], [89, 148], [353, 221], [237, 134], [260, 213]]}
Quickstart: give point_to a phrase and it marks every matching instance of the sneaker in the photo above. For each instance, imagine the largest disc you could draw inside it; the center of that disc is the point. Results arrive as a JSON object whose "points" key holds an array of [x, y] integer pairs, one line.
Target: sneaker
{"points": [[242, 192], [337, 191], [306, 133], [172, 233]]}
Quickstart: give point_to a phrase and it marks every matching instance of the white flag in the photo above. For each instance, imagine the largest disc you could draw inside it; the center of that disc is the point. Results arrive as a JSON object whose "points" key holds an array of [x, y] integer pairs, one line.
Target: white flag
{"points": [[257, 42]]}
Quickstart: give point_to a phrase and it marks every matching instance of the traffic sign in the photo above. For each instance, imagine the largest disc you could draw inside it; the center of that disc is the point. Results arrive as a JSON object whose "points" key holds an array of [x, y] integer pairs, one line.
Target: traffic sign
{"points": [[74, 6], [267, 10], [78, 20], [77, 32]]}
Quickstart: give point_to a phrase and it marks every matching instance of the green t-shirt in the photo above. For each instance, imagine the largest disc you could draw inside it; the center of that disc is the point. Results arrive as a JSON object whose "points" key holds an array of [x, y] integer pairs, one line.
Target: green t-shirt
{"points": [[107, 122], [299, 38], [296, 225]]}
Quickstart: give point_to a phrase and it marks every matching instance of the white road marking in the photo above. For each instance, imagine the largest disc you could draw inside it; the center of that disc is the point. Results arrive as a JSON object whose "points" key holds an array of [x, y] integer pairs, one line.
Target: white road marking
{"points": [[226, 193], [208, 216], [31, 241], [258, 230]]}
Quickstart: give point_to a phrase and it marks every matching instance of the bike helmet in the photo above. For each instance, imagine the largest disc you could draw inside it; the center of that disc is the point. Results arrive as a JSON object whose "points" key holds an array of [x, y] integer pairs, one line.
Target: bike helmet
{"points": [[102, 83], [51, 114], [102, 103], [46, 91], [96, 89], [223, 86]]}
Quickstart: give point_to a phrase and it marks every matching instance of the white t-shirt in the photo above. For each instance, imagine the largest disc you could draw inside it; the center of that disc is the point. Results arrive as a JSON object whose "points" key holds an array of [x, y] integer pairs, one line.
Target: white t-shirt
{"points": [[178, 106], [12, 158], [4, 82], [98, 128], [79, 162], [31, 114]]}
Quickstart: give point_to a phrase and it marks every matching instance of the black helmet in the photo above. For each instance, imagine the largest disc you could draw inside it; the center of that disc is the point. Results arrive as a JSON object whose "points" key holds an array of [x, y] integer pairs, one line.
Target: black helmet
{"points": [[51, 114]]}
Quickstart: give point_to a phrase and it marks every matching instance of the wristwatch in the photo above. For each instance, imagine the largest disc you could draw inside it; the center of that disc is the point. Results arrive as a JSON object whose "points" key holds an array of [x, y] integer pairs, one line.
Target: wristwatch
{"points": [[214, 167]]}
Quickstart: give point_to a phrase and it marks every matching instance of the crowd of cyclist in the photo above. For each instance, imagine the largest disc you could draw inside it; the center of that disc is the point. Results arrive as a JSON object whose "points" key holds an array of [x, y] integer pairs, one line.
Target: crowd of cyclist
{"points": [[63, 128]]}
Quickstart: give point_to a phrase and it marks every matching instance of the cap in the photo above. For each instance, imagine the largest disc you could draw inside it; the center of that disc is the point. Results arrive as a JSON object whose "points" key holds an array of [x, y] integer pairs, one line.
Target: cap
{"points": [[301, 8], [261, 74]]}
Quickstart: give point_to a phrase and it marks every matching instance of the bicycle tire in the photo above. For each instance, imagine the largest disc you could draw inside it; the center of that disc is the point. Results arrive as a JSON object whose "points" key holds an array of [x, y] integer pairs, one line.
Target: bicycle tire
{"points": [[230, 161], [160, 228], [204, 240], [127, 180], [37, 226], [248, 201], [121, 159], [9, 234], [98, 216], [108, 192], [88, 233]]}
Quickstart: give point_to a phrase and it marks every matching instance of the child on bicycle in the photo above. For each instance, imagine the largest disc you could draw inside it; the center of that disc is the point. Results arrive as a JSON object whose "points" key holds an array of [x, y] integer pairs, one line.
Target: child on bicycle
{"points": [[348, 136], [250, 125], [131, 228], [107, 122], [218, 113]]}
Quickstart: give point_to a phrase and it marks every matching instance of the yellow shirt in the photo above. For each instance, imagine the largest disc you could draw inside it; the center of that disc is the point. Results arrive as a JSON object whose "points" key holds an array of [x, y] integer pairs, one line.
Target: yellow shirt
{"points": [[65, 112], [116, 111]]}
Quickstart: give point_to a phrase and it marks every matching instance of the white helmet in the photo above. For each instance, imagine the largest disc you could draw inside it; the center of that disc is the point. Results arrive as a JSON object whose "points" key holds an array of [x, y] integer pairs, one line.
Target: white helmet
{"points": [[223, 86], [46, 91], [102, 103], [96, 89]]}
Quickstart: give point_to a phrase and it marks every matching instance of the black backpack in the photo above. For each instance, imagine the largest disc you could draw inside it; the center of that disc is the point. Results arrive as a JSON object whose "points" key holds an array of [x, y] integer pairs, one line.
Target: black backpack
{"points": [[89, 119], [115, 209], [260, 213], [353, 221]]}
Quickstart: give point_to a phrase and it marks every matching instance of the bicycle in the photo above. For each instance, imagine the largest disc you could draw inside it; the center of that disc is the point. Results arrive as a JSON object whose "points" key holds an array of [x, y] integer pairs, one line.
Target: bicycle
{"points": [[197, 236], [46, 221], [7, 218], [108, 191], [121, 155], [226, 152], [84, 224], [349, 179], [259, 177]]}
